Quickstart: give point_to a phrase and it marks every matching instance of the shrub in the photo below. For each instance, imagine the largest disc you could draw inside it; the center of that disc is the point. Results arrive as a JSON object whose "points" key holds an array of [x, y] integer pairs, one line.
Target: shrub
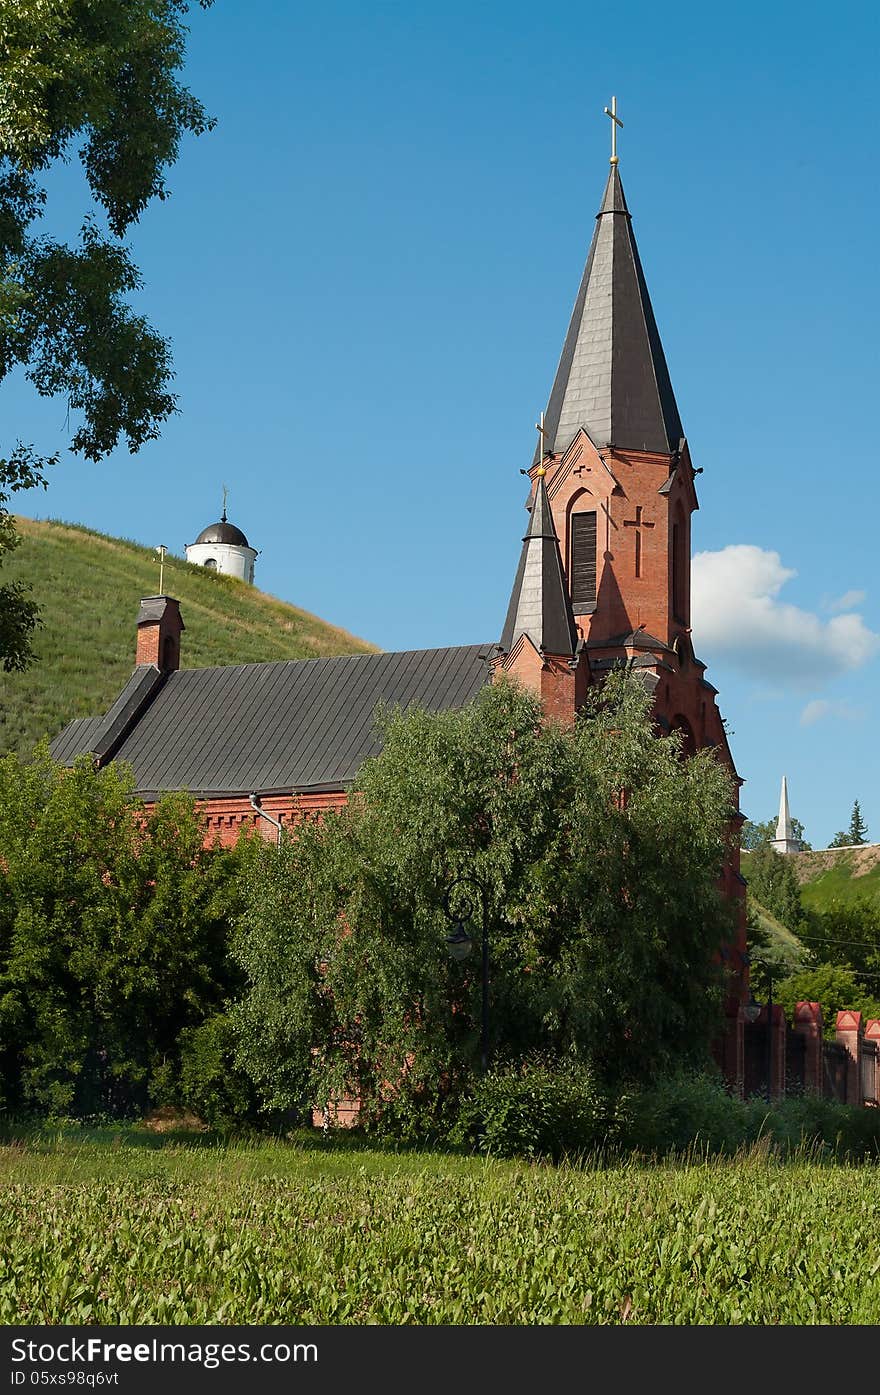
{"points": [[210, 1084], [680, 1113], [534, 1111]]}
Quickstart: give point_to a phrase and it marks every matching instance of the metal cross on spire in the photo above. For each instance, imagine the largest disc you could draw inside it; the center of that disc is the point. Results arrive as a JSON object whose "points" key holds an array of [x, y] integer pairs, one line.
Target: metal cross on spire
{"points": [[161, 550], [225, 495], [539, 427], [615, 122]]}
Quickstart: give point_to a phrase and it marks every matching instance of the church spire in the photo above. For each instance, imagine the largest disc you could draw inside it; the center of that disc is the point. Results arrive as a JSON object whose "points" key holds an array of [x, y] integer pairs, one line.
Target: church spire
{"points": [[539, 604], [785, 841], [612, 378]]}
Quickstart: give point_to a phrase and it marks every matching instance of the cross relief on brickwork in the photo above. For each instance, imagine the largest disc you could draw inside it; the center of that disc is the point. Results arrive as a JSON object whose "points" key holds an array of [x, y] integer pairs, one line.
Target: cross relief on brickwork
{"points": [[638, 523]]}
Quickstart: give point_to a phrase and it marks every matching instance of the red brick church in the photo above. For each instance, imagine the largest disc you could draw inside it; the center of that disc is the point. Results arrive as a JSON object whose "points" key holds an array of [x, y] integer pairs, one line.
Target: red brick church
{"points": [[603, 578]]}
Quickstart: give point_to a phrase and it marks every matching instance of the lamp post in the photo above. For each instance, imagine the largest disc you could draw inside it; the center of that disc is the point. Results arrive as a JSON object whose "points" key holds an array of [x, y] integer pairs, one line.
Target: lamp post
{"points": [[460, 943]]}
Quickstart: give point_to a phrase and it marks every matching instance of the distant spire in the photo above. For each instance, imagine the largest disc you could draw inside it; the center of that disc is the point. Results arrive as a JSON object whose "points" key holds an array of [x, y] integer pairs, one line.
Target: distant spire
{"points": [[225, 496], [612, 378], [539, 604], [785, 841]]}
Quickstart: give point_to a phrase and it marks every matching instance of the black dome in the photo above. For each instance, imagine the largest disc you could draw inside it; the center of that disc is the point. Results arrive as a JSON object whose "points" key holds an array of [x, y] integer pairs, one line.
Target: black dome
{"points": [[223, 532]]}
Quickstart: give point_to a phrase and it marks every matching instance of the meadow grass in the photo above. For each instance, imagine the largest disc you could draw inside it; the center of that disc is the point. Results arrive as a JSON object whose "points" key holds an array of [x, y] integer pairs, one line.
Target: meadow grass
{"points": [[116, 1226]]}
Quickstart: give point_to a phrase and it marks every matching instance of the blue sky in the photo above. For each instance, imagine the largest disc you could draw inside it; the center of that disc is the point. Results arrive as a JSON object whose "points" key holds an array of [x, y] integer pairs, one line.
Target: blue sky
{"points": [[367, 270]]}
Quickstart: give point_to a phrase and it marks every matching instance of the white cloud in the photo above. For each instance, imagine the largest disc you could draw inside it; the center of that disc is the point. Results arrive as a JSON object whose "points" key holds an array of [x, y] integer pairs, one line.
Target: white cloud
{"points": [[822, 707], [737, 616], [848, 601]]}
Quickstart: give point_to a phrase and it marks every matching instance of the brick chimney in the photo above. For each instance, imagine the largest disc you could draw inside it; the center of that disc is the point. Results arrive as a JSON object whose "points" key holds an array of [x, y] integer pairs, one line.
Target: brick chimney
{"points": [[159, 627]]}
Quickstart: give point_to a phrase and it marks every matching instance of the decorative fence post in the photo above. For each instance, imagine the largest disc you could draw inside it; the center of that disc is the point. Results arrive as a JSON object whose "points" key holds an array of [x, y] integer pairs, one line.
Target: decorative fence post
{"points": [[872, 1037], [808, 1025], [849, 1034]]}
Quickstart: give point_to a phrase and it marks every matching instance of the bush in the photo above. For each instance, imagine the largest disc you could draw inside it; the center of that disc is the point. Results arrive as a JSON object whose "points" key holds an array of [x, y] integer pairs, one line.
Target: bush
{"points": [[534, 1111], [695, 1112], [210, 1085], [813, 1123], [680, 1113]]}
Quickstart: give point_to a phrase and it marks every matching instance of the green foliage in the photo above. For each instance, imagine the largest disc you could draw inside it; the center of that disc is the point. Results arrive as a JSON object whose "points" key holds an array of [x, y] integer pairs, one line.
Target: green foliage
{"points": [[855, 835], [690, 1112], [834, 986], [112, 936], [310, 1236], [845, 878], [98, 78], [773, 882], [19, 614], [86, 644], [603, 915], [210, 1084], [847, 933], [537, 1110], [686, 1111], [773, 947], [758, 835]]}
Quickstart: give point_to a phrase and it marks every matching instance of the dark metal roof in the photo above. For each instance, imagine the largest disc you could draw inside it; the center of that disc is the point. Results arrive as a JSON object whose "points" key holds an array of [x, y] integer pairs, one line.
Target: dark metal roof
{"points": [[540, 606], [75, 739], [612, 378], [293, 725], [114, 725], [222, 532]]}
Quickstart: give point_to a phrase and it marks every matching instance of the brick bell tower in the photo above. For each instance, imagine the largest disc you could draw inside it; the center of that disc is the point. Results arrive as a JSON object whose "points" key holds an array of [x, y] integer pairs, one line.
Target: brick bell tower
{"points": [[612, 498]]}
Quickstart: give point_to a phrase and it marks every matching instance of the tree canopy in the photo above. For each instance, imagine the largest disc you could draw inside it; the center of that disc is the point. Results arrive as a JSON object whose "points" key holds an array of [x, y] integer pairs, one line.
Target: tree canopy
{"points": [[856, 834], [99, 78], [595, 853], [758, 835], [113, 937]]}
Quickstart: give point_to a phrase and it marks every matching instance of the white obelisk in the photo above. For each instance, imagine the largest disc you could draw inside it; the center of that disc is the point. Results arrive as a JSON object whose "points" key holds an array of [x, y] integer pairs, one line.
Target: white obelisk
{"points": [[785, 841]]}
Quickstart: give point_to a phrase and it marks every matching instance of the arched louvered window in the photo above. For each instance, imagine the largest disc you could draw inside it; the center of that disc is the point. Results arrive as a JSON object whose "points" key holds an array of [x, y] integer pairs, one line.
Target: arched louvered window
{"points": [[679, 569], [582, 572]]}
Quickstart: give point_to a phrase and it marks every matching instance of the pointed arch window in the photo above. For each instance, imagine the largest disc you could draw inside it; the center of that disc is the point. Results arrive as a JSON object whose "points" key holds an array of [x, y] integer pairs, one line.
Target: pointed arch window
{"points": [[679, 568], [582, 572]]}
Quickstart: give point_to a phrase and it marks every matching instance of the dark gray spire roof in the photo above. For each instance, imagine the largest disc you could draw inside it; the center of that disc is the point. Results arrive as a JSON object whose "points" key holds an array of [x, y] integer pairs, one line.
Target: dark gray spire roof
{"points": [[612, 378], [539, 604]]}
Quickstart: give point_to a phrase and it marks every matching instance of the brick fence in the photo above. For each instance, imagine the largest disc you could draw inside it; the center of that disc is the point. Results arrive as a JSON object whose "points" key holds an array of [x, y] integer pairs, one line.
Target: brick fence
{"points": [[798, 1059]]}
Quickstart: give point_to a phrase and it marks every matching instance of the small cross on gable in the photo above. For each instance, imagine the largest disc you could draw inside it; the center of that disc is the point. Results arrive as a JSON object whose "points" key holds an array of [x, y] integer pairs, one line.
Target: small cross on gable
{"points": [[638, 523]]}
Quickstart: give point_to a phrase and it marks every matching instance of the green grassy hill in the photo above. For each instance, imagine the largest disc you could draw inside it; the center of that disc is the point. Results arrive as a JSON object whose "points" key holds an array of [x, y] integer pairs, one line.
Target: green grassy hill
{"points": [[89, 586], [838, 875], [783, 948]]}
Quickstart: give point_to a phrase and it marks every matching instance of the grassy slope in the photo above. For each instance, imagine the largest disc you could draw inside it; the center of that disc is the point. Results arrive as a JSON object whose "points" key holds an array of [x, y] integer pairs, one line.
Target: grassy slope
{"points": [[111, 1233], [89, 587], [842, 876], [786, 948]]}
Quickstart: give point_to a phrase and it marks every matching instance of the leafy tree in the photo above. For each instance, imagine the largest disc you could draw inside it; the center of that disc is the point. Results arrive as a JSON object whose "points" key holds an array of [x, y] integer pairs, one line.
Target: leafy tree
{"points": [[834, 986], [598, 850], [847, 933], [113, 936], [855, 835], [19, 615], [99, 77], [773, 882], [758, 835]]}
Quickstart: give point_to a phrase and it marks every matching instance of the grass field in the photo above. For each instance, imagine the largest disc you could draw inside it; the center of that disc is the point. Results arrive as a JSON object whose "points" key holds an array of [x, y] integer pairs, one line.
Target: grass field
{"points": [[88, 587], [125, 1228]]}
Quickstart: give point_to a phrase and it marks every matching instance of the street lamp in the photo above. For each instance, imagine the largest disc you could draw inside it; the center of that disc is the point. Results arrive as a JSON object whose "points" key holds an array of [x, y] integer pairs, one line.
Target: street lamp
{"points": [[460, 943]]}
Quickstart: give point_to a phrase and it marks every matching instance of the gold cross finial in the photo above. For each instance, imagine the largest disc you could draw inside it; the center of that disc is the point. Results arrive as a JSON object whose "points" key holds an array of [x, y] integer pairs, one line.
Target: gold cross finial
{"points": [[539, 427], [615, 122], [161, 550]]}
